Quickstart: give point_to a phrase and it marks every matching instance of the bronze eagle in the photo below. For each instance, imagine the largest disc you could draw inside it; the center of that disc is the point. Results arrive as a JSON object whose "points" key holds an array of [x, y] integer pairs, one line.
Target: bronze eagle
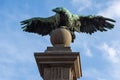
{"points": [[63, 17]]}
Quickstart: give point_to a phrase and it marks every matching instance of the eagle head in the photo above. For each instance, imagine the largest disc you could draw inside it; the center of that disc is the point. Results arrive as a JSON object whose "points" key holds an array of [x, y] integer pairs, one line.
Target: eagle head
{"points": [[60, 10]]}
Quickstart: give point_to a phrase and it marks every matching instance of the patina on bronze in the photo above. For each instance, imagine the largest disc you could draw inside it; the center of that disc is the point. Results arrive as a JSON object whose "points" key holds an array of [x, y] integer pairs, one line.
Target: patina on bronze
{"points": [[63, 17]]}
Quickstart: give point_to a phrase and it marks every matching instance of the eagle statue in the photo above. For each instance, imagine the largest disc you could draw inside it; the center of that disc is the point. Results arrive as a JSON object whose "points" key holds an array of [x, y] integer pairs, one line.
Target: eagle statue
{"points": [[63, 17]]}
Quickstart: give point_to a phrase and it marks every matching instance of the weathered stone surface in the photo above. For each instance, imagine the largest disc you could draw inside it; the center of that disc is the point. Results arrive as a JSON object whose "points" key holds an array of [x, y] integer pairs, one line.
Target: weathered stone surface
{"points": [[63, 66], [58, 49], [57, 73], [61, 37]]}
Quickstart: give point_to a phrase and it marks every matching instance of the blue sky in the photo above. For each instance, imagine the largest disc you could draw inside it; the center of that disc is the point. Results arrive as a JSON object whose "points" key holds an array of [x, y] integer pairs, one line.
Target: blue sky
{"points": [[100, 52]]}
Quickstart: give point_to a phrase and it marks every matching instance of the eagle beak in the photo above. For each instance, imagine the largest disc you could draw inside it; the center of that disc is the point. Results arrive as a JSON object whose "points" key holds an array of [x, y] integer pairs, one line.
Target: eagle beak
{"points": [[53, 10]]}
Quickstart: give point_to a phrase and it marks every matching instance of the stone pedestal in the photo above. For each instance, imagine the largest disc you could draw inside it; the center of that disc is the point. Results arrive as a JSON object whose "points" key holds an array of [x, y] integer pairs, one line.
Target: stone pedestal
{"points": [[59, 63]]}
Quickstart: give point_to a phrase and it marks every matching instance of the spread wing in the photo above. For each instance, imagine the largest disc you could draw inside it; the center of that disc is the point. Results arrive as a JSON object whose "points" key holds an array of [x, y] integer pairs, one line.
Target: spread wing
{"points": [[42, 26], [91, 24]]}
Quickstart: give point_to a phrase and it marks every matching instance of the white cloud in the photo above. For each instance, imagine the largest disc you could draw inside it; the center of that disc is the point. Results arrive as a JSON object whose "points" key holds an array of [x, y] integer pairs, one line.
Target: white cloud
{"points": [[111, 63], [94, 74], [114, 72], [16, 59], [87, 50], [101, 79], [112, 9], [110, 72], [112, 53], [81, 4], [109, 8]]}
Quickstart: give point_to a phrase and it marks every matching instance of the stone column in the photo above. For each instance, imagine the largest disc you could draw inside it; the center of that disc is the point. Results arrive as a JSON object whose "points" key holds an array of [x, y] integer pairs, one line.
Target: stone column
{"points": [[59, 63]]}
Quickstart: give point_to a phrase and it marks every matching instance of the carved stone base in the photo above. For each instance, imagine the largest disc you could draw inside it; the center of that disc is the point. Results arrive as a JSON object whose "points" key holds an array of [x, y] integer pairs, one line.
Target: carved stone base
{"points": [[59, 65], [58, 73]]}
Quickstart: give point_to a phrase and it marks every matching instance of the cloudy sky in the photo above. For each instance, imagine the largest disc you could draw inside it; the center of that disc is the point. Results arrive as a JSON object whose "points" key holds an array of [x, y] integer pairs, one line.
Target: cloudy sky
{"points": [[100, 52]]}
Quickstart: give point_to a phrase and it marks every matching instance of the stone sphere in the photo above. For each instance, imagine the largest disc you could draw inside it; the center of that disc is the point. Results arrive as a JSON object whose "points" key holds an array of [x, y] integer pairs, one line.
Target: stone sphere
{"points": [[61, 37]]}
